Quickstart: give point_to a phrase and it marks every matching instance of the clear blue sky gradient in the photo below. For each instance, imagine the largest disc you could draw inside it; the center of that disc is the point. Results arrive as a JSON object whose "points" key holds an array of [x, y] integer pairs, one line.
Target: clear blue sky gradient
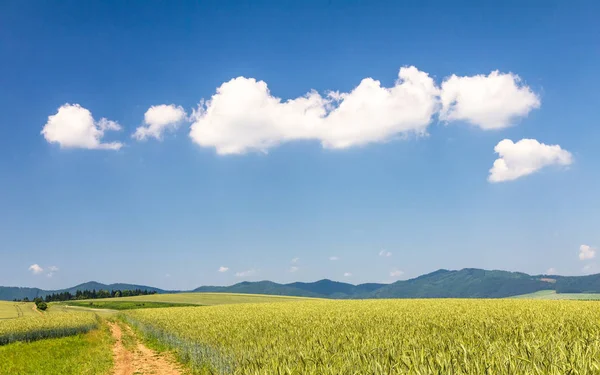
{"points": [[171, 213]]}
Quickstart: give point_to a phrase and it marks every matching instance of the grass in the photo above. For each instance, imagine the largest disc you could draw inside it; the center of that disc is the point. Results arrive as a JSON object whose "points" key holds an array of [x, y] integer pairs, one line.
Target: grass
{"points": [[382, 337], [117, 304], [551, 294], [83, 354], [207, 299]]}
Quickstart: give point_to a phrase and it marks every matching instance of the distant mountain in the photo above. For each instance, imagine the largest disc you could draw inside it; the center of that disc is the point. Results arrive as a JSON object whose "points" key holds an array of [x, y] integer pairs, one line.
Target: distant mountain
{"points": [[323, 288], [10, 293], [465, 283]]}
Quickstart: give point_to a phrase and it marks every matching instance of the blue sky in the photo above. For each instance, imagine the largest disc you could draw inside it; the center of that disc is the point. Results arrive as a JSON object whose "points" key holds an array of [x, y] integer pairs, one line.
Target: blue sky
{"points": [[392, 180]]}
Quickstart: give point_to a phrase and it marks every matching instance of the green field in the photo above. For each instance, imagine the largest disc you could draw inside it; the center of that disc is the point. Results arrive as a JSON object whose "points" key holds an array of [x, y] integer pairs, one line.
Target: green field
{"points": [[206, 299], [379, 337], [118, 304], [551, 294], [88, 354]]}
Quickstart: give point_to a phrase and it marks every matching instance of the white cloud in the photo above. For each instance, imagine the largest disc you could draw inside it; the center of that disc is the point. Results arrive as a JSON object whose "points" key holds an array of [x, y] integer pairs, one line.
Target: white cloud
{"points": [[245, 273], [243, 116], [385, 253], [158, 119], [347, 274], [396, 273], [551, 271], [223, 269], [294, 269], [586, 252], [53, 269], [494, 101], [74, 127], [36, 269], [525, 157], [334, 258], [295, 260]]}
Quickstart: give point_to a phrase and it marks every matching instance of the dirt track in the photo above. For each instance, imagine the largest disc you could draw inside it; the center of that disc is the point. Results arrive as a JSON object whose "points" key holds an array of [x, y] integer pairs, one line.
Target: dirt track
{"points": [[140, 359]]}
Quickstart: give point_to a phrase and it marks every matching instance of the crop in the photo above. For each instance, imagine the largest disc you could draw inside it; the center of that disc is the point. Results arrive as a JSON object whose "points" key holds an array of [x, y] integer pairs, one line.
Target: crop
{"points": [[47, 325], [382, 337]]}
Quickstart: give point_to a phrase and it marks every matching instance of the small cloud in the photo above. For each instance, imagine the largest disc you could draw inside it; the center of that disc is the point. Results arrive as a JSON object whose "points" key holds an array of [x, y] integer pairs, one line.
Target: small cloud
{"points": [[586, 252], [158, 120], [36, 269], [52, 270], [74, 127], [245, 273], [168, 275], [334, 258], [347, 274], [385, 253], [295, 260], [294, 269], [223, 269], [396, 273], [551, 271], [525, 157]]}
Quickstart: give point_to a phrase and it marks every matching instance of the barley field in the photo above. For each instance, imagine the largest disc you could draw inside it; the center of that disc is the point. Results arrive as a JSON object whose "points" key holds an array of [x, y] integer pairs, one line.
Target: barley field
{"points": [[54, 323], [382, 337]]}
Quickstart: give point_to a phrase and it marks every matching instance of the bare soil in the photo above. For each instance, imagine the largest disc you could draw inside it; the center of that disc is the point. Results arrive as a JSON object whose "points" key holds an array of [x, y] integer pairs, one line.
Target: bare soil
{"points": [[140, 360]]}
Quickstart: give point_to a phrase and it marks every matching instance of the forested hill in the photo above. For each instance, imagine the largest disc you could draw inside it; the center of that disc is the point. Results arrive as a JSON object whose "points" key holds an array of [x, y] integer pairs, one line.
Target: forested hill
{"points": [[465, 283], [10, 293]]}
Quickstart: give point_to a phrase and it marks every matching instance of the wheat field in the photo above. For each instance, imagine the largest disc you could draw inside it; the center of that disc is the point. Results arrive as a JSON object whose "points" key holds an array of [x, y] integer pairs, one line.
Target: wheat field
{"points": [[382, 337]]}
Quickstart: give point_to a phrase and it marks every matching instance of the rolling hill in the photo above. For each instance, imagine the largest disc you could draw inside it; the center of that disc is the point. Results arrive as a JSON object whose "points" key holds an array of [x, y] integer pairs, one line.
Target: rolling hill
{"points": [[9, 293], [465, 283]]}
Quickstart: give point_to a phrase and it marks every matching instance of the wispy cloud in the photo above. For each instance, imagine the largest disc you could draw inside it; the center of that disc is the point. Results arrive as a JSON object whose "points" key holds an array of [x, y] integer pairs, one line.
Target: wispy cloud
{"points": [[295, 260], [396, 273], [51, 271], [294, 269], [385, 253], [586, 252], [347, 274], [223, 269], [334, 258], [245, 273]]}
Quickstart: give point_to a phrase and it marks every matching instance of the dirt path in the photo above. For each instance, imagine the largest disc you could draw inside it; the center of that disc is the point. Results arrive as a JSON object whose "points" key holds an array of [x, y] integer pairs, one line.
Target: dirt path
{"points": [[34, 308], [139, 360]]}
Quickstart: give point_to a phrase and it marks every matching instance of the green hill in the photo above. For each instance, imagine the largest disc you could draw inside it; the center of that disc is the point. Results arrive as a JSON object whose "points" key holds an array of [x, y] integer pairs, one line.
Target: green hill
{"points": [[465, 283]]}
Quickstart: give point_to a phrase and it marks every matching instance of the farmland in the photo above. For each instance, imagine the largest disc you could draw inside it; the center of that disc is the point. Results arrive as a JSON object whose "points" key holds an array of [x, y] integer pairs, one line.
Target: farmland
{"points": [[204, 299], [551, 294], [382, 337]]}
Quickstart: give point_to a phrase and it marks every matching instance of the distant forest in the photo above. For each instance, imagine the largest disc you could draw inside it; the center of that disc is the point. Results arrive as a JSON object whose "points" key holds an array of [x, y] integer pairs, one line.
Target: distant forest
{"points": [[92, 294]]}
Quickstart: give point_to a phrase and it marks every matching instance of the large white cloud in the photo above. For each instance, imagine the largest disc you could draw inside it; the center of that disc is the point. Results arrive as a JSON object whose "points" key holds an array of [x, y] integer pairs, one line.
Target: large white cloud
{"points": [[243, 115], [74, 127], [158, 119], [494, 101], [525, 157], [586, 252]]}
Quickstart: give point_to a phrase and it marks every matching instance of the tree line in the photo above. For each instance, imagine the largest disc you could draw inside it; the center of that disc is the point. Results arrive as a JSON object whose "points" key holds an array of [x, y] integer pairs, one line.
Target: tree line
{"points": [[91, 294]]}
